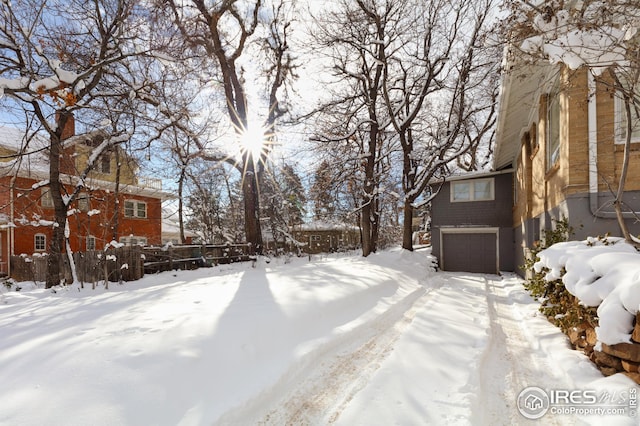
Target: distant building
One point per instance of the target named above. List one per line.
(130, 215)
(326, 237)
(171, 229)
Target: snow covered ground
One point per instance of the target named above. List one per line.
(336, 340)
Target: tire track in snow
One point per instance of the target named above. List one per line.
(321, 397)
(510, 362)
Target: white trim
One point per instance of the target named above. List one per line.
(35, 244)
(470, 230)
(620, 123)
(472, 191)
(136, 203)
(592, 111)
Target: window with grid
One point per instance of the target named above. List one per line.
(133, 208)
(40, 242)
(134, 240)
(91, 242)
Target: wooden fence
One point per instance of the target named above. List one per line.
(193, 256)
(128, 263)
(115, 264)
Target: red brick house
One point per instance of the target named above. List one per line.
(128, 211)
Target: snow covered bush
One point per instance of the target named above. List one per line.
(602, 273)
(560, 306)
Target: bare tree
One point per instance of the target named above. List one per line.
(352, 36)
(440, 88)
(232, 33)
(57, 62)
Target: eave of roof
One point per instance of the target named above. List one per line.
(520, 89)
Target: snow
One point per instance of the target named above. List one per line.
(563, 39)
(339, 339)
(603, 273)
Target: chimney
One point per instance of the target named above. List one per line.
(69, 125)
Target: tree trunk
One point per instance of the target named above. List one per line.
(183, 240)
(252, 208)
(617, 203)
(365, 223)
(60, 209)
(407, 231)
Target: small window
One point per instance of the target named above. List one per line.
(46, 200)
(105, 163)
(472, 190)
(40, 242)
(83, 202)
(553, 127)
(621, 121)
(315, 238)
(134, 208)
(91, 242)
(461, 191)
(134, 240)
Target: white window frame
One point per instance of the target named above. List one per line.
(46, 200)
(315, 238)
(83, 202)
(131, 240)
(472, 192)
(40, 247)
(553, 101)
(136, 209)
(621, 123)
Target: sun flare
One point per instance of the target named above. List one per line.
(253, 140)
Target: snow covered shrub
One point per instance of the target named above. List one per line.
(561, 307)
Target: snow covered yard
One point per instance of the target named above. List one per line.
(339, 339)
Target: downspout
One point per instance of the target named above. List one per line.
(11, 235)
(593, 156)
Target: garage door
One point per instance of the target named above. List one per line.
(469, 252)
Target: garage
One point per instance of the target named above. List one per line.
(470, 250)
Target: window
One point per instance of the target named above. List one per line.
(40, 242)
(46, 200)
(134, 208)
(105, 163)
(133, 240)
(91, 242)
(472, 190)
(621, 120)
(461, 191)
(553, 127)
(83, 202)
(315, 238)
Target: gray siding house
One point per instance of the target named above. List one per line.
(472, 223)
